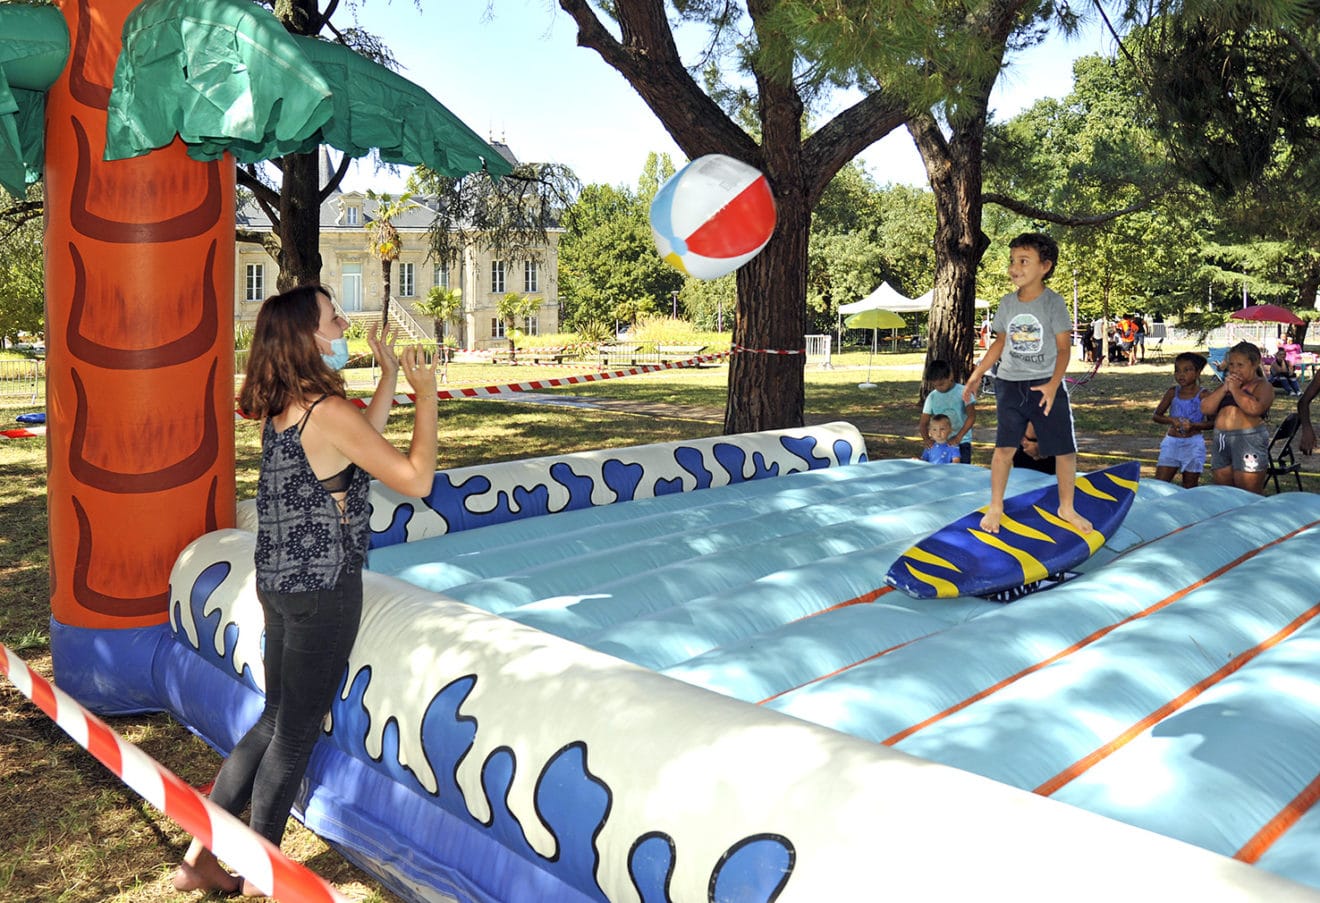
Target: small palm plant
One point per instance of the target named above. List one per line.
(384, 240)
(442, 305)
(512, 308)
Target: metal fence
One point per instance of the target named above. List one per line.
(22, 379)
(818, 350)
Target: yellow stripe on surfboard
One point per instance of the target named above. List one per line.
(1032, 569)
(943, 588)
(1021, 529)
(1094, 540)
(919, 554)
(1129, 485)
(1084, 484)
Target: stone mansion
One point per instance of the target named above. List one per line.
(353, 273)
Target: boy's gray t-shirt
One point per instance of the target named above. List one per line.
(1029, 329)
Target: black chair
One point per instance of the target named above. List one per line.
(1282, 461)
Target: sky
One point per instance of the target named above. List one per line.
(515, 73)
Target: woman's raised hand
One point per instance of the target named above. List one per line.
(419, 368)
(383, 348)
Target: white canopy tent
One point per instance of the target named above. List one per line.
(886, 297)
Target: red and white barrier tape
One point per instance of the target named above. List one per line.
(539, 384)
(35, 432)
(739, 349)
(255, 858)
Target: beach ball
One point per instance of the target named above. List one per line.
(712, 216)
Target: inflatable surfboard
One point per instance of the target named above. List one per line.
(1032, 544)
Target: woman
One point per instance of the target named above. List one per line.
(1283, 375)
(1240, 454)
(317, 451)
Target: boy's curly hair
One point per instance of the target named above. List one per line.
(1045, 247)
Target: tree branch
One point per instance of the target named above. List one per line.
(647, 57)
(336, 178)
(266, 197)
(19, 214)
(1060, 219)
(829, 148)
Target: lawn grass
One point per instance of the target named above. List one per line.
(101, 842)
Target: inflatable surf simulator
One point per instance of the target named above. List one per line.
(668, 673)
(678, 672)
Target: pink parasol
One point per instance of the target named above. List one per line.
(1267, 313)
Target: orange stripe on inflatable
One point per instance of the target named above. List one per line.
(1088, 640)
(1082, 765)
(858, 600)
(1275, 828)
(860, 661)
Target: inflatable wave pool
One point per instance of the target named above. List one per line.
(675, 672)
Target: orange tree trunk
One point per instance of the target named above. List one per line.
(139, 316)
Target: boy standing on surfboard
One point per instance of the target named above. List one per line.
(1033, 334)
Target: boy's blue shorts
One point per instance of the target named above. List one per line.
(1016, 405)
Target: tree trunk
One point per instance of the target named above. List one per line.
(954, 170)
(385, 293)
(771, 320)
(300, 228)
(1306, 298)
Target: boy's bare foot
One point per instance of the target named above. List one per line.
(1081, 524)
(990, 520)
(207, 875)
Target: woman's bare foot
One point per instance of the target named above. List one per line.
(990, 520)
(1079, 523)
(205, 876)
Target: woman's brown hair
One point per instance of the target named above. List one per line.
(284, 365)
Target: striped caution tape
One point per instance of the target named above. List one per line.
(740, 349)
(537, 385)
(255, 858)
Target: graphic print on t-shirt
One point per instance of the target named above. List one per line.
(1026, 339)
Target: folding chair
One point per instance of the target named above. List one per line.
(1282, 461)
(1155, 351)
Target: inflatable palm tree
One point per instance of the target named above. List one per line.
(135, 113)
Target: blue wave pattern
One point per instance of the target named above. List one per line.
(570, 801)
(207, 582)
(625, 479)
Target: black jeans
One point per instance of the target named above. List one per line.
(307, 642)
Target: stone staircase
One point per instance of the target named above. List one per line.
(410, 328)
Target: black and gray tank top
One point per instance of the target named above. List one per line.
(305, 539)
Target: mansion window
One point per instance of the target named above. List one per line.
(531, 276)
(497, 275)
(353, 216)
(531, 327)
(496, 328)
(441, 276)
(256, 282)
(407, 280)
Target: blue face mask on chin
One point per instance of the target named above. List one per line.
(338, 356)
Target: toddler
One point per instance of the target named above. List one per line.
(940, 451)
